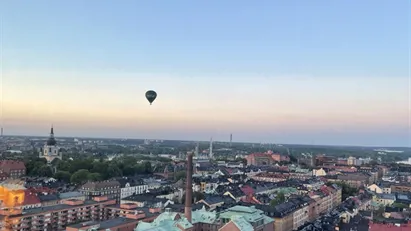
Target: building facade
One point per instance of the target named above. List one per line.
(59, 216)
(12, 169)
(129, 187)
(110, 188)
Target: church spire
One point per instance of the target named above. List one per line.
(51, 140)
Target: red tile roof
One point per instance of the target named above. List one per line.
(251, 199)
(389, 227)
(42, 190)
(30, 198)
(247, 190)
(8, 165)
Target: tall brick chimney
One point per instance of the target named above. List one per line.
(189, 187)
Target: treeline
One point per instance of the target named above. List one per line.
(79, 170)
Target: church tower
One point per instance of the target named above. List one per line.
(51, 150)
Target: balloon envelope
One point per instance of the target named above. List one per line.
(151, 96)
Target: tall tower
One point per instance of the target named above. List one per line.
(231, 139)
(1, 135)
(210, 154)
(196, 150)
(51, 150)
(189, 187)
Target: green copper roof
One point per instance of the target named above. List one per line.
(287, 190)
(203, 216)
(165, 222)
(161, 226)
(250, 214)
(242, 216)
(242, 224)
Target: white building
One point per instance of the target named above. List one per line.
(129, 187)
(51, 150)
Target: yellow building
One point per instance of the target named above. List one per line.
(384, 199)
(11, 196)
(11, 193)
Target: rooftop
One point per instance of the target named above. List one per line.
(250, 214)
(103, 225)
(55, 208)
(13, 185)
(242, 224)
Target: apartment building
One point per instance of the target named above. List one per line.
(57, 217)
(327, 198)
(110, 188)
(145, 200)
(252, 218)
(400, 188)
(283, 214)
(269, 158)
(301, 215)
(129, 187)
(132, 211)
(384, 199)
(12, 168)
(356, 179)
(271, 177)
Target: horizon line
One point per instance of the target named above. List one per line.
(207, 141)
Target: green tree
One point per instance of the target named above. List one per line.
(347, 190)
(63, 165)
(94, 177)
(400, 205)
(147, 167)
(129, 170)
(139, 169)
(33, 164)
(80, 176)
(63, 176)
(99, 167)
(113, 171)
(45, 171)
(77, 164)
(280, 198)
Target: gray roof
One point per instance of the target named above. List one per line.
(49, 197)
(386, 196)
(55, 208)
(68, 195)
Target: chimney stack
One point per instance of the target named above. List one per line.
(189, 187)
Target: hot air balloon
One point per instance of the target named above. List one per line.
(151, 96)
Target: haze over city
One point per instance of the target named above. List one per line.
(276, 71)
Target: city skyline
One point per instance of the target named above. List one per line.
(268, 72)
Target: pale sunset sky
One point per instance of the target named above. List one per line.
(310, 72)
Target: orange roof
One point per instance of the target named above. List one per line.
(30, 198)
